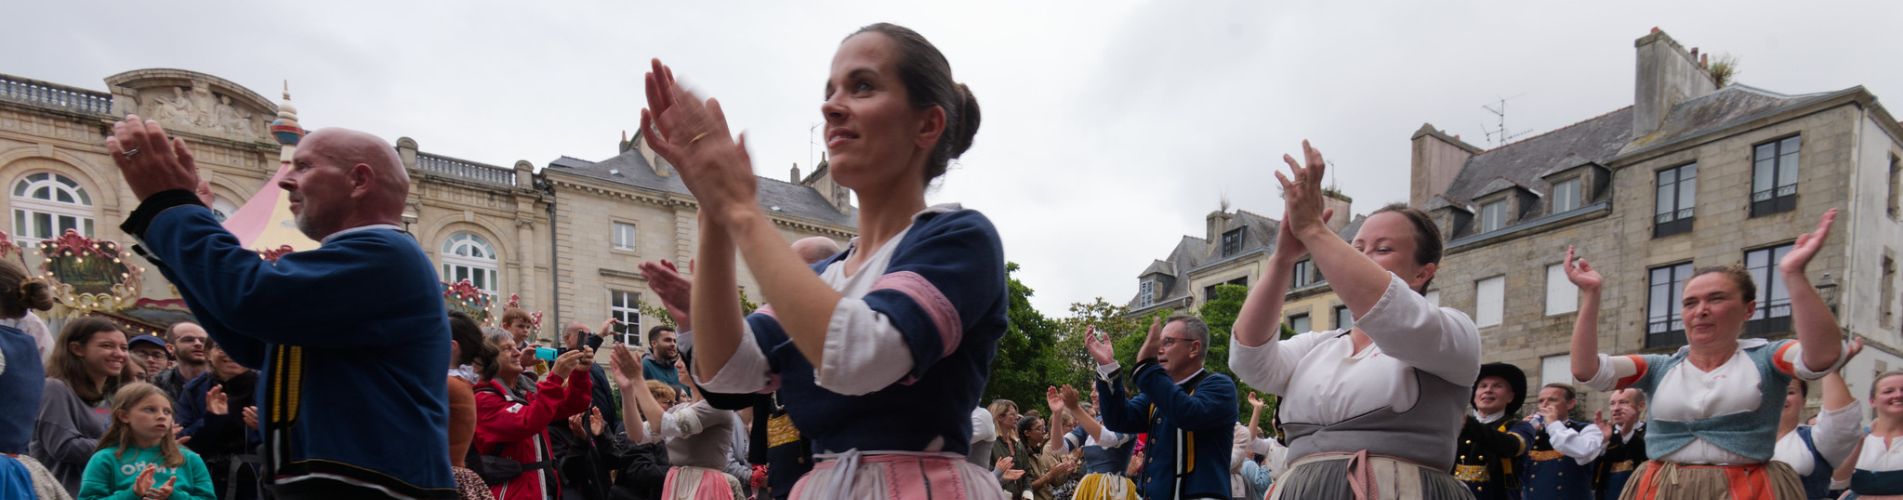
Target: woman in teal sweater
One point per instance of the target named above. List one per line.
(139, 459)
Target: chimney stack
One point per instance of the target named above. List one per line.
(795, 178)
(1437, 158)
(1343, 206)
(1667, 75)
(1214, 224)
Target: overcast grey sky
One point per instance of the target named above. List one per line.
(1111, 127)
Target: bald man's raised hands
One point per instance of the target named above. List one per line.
(151, 161)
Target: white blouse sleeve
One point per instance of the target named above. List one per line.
(746, 372)
(1270, 366)
(864, 352)
(689, 421)
(1837, 432)
(981, 428)
(1790, 359)
(1437, 340)
(1583, 445)
(1612, 369)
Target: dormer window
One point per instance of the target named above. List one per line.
(1232, 242)
(1567, 195)
(1493, 216)
(1146, 293)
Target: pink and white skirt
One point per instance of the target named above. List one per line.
(700, 483)
(887, 475)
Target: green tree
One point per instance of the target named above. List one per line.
(1027, 359)
(1219, 312)
(1079, 370)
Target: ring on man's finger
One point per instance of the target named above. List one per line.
(696, 138)
(130, 153)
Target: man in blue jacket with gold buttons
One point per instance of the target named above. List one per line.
(350, 339)
(1189, 412)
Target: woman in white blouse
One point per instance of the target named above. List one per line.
(1714, 419)
(1816, 450)
(1878, 463)
(698, 436)
(1372, 411)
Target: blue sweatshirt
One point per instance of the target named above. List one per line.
(350, 340)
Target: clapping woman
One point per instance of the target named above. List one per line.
(1715, 403)
(881, 352)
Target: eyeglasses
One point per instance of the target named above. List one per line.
(1169, 341)
(149, 354)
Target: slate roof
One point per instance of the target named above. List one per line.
(781, 197)
(1596, 140)
(1729, 106)
(1193, 254)
(1604, 138)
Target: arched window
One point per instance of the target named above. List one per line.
(222, 208)
(46, 204)
(467, 256)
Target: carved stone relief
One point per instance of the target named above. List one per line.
(200, 110)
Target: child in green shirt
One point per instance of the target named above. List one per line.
(138, 459)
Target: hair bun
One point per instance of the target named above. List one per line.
(37, 294)
(968, 119)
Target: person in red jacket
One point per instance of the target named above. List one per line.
(516, 427)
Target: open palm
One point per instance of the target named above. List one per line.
(1581, 273)
(1808, 244)
(1099, 346)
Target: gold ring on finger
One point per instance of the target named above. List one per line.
(696, 138)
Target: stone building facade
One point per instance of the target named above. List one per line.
(1235, 249)
(1690, 175)
(551, 236)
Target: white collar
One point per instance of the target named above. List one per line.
(1488, 418)
(1199, 371)
(1626, 434)
(359, 229)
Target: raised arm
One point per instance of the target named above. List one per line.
(1120, 413)
(1092, 428)
(1585, 353)
(640, 413)
(715, 309)
(1817, 329)
(1255, 415)
(1388, 311)
(1840, 424)
(693, 135)
(674, 291)
(1260, 319)
(1053, 432)
(1357, 279)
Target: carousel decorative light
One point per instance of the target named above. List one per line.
(465, 297)
(535, 318)
(88, 275)
(7, 248)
